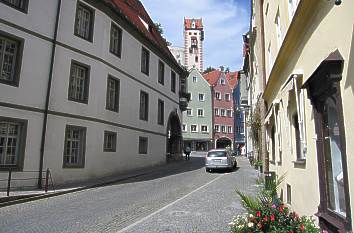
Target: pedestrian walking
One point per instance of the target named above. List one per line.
(187, 151)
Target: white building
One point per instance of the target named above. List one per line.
(193, 43)
(87, 89)
(178, 53)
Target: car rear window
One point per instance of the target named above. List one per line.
(217, 154)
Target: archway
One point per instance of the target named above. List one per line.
(223, 142)
(174, 137)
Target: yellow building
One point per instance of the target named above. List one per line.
(309, 95)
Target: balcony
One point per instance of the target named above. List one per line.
(184, 98)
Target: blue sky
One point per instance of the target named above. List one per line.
(224, 23)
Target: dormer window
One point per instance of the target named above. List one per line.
(222, 81)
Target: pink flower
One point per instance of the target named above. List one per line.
(274, 206)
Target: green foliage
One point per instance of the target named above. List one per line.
(208, 69)
(266, 213)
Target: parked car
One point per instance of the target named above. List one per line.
(220, 159)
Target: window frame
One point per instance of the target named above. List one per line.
(87, 82)
(22, 144)
(114, 144)
(24, 9)
(160, 112)
(143, 145)
(120, 41)
(117, 85)
(196, 128)
(92, 21)
(203, 97)
(229, 97)
(161, 73)
(18, 59)
(83, 133)
(202, 110)
(204, 131)
(217, 95)
(144, 110)
(173, 81)
(145, 61)
(217, 128)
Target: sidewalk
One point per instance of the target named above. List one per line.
(17, 197)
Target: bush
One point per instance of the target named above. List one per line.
(267, 213)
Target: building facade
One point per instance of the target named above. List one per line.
(309, 95)
(222, 106)
(100, 96)
(193, 43)
(197, 120)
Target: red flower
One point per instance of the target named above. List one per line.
(265, 218)
(302, 227)
(258, 214)
(272, 218)
(281, 208)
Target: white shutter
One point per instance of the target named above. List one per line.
(301, 114)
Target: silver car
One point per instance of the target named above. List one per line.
(220, 159)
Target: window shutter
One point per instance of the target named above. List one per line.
(301, 114)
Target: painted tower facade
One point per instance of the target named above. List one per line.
(193, 43)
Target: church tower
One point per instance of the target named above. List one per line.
(193, 43)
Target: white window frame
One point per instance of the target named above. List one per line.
(201, 95)
(184, 128)
(204, 131)
(217, 111)
(222, 81)
(217, 128)
(194, 79)
(222, 112)
(196, 128)
(223, 128)
(191, 112)
(230, 111)
(202, 109)
(229, 129)
(227, 98)
(217, 94)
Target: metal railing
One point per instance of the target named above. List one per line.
(8, 184)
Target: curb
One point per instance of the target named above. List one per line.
(21, 199)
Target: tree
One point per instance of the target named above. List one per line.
(208, 69)
(159, 29)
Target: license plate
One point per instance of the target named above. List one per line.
(217, 160)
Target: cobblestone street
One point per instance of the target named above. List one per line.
(180, 197)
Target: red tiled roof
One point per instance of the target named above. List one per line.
(212, 77)
(131, 10)
(198, 23)
(232, 78)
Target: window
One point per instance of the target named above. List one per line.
(229, 113)
(10, 60)
(115, 46)
(229, 129)
(145, 61)
(223, 129)
(242, 130)
(173, 81)
(222, 112)
(267, 8)
(161, 75)
(270, 59)
(110, 141)
(204, 128)
(297, 137)
(84, 22)
(201, 97)
(227, 97)
(189, 112)
(160, 112)
(288, 194)
(217, 128)
(144, 106)
(184, 127)
(12, 142)
(218, 95)
(222, 81)
(79, 82)
(143, 145)
(273, 142)
(194, 79)
(112, 98)
(217, 112)
(278, 29)
(196, 58)
(200, 112)
(21, 5)
(194, 128)
(74, 146)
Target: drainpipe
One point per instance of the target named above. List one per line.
(45, 120)
(212, 118)
(263, 107)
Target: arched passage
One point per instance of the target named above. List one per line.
(223, 142)
(174, 137)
